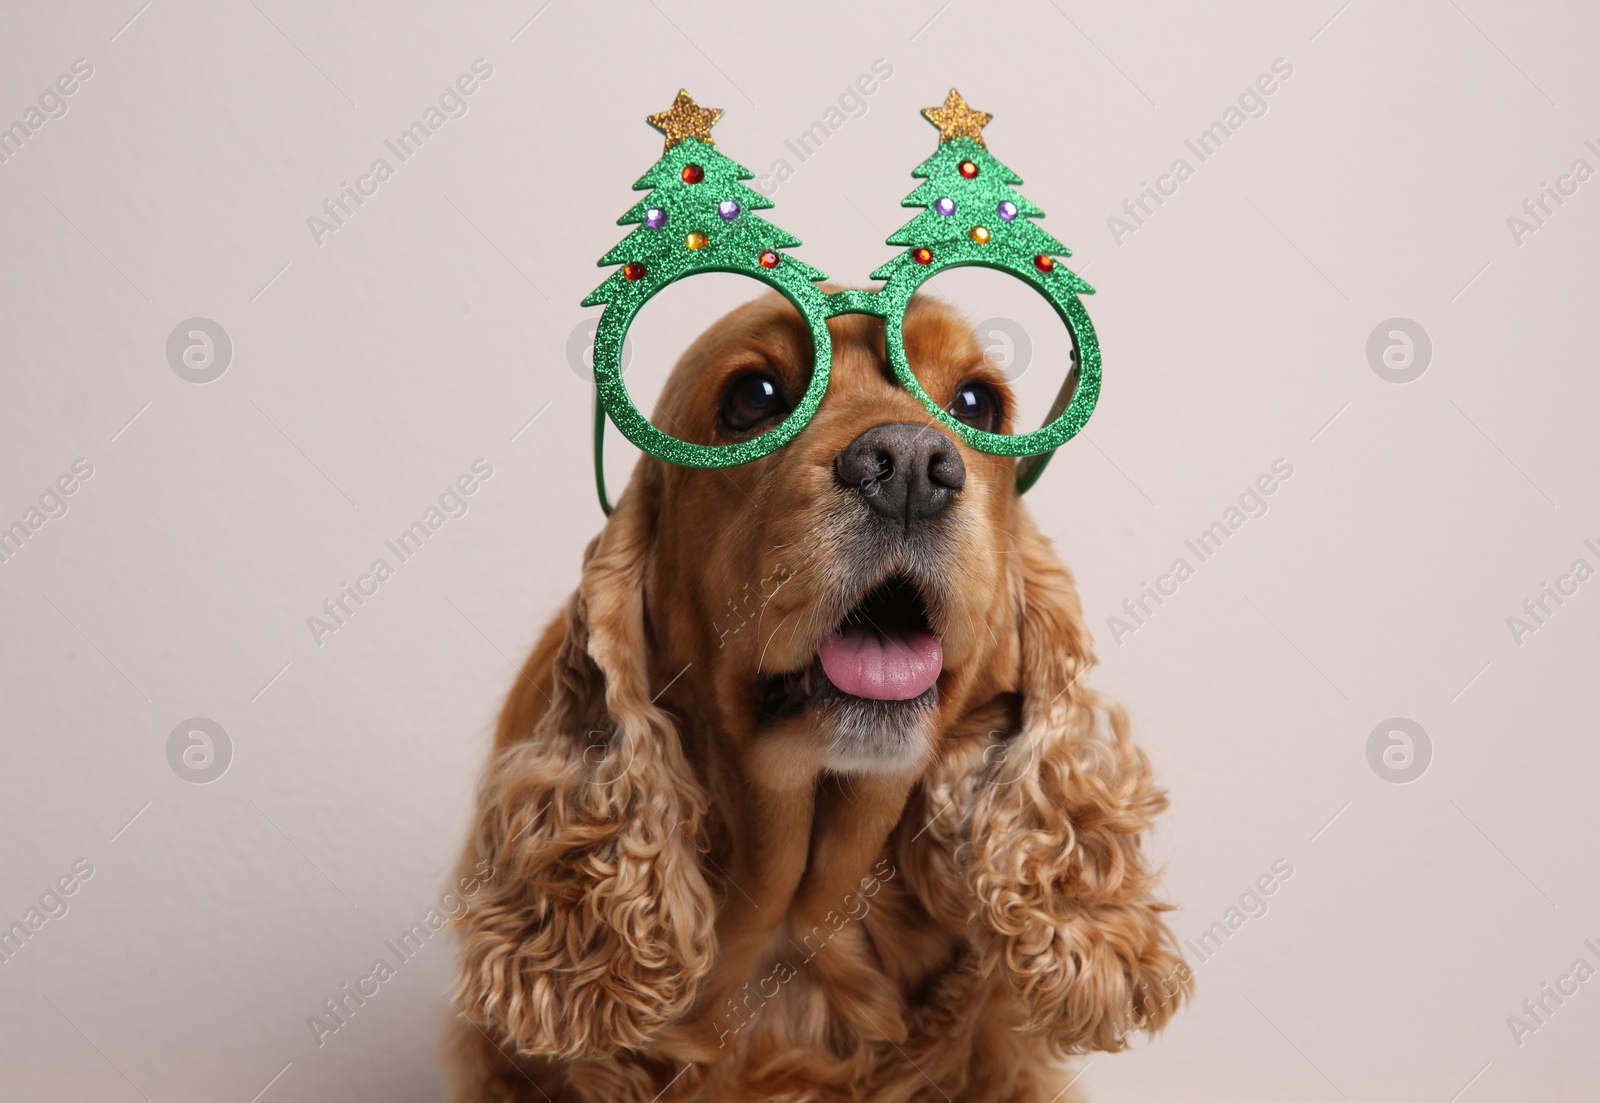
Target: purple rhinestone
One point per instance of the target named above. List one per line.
(944, 205)
(728, 209)
(655, 218)
(1007, 209)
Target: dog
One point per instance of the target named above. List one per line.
(803, 796)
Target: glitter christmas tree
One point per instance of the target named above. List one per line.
(697, 215)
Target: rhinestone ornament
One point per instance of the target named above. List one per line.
(944, 205)
(769, 259)
(923, 255)
(1006, 210)
(968, 170)
(696, 240)
(1043, 263)
(728, 209)
(980, 234)
(633, 271)
(693, 174)
(655, 218)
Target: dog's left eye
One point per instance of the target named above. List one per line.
(977, 405)
(751, 399)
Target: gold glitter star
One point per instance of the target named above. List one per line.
(956, 120)
(685, 119)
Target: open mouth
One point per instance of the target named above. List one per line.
(884, 649)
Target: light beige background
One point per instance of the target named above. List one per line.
(371, 370)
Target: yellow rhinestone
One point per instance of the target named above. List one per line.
(980, 234)
(696, 240)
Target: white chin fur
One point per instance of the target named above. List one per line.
(877, 737)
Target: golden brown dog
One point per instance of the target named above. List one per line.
(803, 797)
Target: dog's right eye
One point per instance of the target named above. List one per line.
(750, 400)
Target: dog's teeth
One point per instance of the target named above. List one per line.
(805, 682)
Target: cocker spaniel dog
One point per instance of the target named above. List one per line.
(803, 796)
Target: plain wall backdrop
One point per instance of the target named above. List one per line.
(1245, 320)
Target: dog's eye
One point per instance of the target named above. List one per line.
(977, 405)
(750, 400)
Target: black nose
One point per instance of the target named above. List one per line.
(906, 472)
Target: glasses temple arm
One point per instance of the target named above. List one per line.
(1029, 468)
(599, 453)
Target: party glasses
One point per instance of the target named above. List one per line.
(697, 218)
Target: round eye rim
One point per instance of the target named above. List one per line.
(992, 413)
(741, 424)
(1080, 390)
(611, 392)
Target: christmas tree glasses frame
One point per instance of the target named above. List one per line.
(655, 257)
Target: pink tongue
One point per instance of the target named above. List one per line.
(898, 667)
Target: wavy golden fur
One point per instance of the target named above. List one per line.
(693, 900)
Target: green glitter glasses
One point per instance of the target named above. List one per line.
(697, 219)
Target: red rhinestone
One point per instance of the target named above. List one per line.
(969, 170)
(769, 259)
(1043, 263)
(633, 270)
(923, 255)
(693, 174)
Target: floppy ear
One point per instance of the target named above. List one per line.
(595, 927)
(1045, 847)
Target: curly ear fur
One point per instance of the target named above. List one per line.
(596, 928)
(1045, 842)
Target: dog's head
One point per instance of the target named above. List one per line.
(872, 599)
(843, 599)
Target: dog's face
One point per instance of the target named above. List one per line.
(844, 600)
(870, 600)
